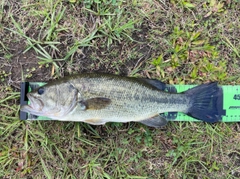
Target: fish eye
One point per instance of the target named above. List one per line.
(40, 91)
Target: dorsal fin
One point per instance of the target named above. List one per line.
(160, 85)
(156, 83)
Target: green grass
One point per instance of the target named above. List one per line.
(178, 42)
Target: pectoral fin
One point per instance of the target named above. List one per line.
(156, 121)
(94, 103)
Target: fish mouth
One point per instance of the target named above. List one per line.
(35, 106)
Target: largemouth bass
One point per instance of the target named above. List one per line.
(101, 98)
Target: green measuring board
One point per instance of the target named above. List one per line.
(228, 102)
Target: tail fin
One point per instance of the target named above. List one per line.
(204, 99)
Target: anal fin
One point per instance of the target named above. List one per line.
(156, 121)
(94, 121)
